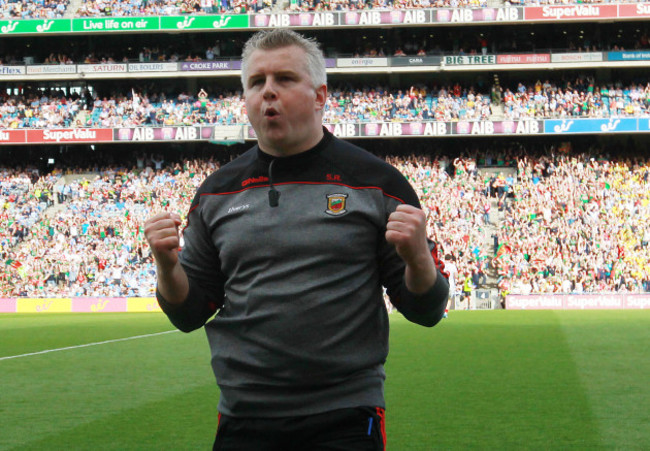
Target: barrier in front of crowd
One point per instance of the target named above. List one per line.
(577, 301)
(78, 305)
(330, 19)
(422, 129)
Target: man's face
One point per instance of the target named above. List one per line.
(282, 104)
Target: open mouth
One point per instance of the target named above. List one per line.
(271, 113)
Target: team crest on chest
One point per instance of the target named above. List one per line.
(336, 204)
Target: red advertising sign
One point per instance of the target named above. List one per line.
(526, 58)
(572, 12)
(634, 10)
(12, 136)
(69, 135)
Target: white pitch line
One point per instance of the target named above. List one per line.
(86, 345)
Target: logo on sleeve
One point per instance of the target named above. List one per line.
(336, 204)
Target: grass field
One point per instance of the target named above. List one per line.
(490, 380)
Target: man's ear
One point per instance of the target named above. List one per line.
(321, 97)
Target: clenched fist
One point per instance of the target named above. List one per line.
(161, 231)
(406, 230)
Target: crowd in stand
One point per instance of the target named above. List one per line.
(92, 242)
(26, 9)
(593, 214)
(582, 98)
(49, 9)
(562, 222)
(95, 8)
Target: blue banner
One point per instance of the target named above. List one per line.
(611, 125)
(644, 124)
(636, 55)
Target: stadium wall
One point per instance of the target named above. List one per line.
(577, 301)
(78, 305)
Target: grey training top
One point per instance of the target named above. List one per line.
(301, 325)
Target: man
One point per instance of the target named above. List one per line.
(290, 245)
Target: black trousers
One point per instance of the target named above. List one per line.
(354, 429)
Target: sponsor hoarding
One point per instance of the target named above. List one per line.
(7, 305)
(204, 22)
(635, 55)
(113, 68)
(104, 24)
(97, 305)
(587, 57)
(354, 129)
(69, 135)
(571, 12)
(611, 125)
(362, 62)
(142, 305)
(210, 65)
(38, 305)
(361, 18)
(79, 305)
(641, 9)
(153, 67)
(162, 133)
(483, 128)
(577, 301)
(644, 125)
(416, 61)
(469, 60)
(35, 26)
(320, 19)
(396, 129)
(467, 15)
(524, 58)
(13, 136)
(52, 69)
(12, 70)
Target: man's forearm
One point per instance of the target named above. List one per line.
(173, 284)
(420, 276)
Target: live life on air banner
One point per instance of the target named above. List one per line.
(79, 305)
(505, 14)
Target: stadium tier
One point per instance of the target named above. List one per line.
(524, 127)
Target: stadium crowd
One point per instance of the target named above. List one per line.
(98, 8)
(580, 98)
(91, 242)
(555, 221)
(50, 9)
(29, 9)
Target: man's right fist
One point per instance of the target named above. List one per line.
(161, 231)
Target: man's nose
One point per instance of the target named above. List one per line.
(269, 91)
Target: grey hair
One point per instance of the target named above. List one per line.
(280, 38)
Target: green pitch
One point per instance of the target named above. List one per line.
(480, 380)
